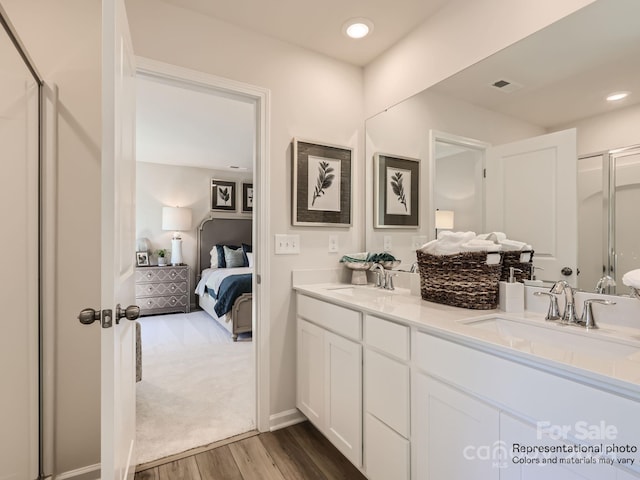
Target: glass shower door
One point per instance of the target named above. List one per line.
(625, 181)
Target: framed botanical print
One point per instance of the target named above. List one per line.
(223, 195)
(396, 191)
(321, 184)
(247, 197)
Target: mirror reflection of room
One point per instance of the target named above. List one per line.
(502, 100)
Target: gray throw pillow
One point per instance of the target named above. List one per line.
(233, 258)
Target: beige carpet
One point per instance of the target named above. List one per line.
(197, 385)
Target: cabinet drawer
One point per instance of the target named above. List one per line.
(171, 301)
(332, 317)
(160, 289)
(161, 274)
(386, 452)
(387, 391)
(391, 338)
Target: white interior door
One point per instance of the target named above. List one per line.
(531, 195)
(118, 241)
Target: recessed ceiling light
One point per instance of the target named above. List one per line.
(617, 96)
(357, 28)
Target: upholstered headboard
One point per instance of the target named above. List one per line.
(221, 231)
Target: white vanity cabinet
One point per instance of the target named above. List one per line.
(470, 408)
(329, 376)
(386, 400)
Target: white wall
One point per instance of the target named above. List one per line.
(63, 38)
(159, 185)
(312, 97)
(460, 34)
(615, 129)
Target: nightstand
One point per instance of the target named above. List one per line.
(163, 289)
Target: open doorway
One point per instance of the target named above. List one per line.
(194, 142)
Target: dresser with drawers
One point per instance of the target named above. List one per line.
(163, 289)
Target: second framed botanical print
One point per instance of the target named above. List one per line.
(321, 184)
(223, 195)
(247, 197)
(396, 193)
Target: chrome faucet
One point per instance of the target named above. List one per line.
(414, 267)
(604, 283)
(569, 315)
(587, 319)
(380, 275)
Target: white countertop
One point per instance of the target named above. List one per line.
(608, 358)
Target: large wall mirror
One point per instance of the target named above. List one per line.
(578, 200)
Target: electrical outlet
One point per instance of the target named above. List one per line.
(333, 243)
(386, 246)
(287, 244)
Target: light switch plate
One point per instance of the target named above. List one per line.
(333, 243)
(287, 244)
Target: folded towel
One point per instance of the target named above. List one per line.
(478, 245)
(632, 279)
(355, 257)
(381, 257)
(514, 245)
(449, 243)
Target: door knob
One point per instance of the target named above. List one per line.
(566, 271)
(132, 312)
(88, 315)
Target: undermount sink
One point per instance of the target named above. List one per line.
(559, 341)
(368, 291)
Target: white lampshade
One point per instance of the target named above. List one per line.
(444, 219)
(176, 219)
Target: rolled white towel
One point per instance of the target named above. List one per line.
(632, 278)
(478, 245)
(497, 236)
(514, 245)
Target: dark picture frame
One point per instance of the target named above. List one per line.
(247, 197)
(396, 191)
(223, 195)
(142, 259)
(322, 178)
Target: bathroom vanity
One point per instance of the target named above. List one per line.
(408, 389)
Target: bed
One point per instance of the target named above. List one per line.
(225, 293)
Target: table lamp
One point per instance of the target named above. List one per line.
(176, 219)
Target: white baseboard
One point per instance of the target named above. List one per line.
(91, 472)
(285, 419)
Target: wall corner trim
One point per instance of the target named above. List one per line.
(285, 419)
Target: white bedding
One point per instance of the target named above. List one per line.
(212, 277)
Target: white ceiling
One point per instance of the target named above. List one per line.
(317, 25)
(177, 125)
(566, 70)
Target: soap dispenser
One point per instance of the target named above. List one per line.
(511, 294)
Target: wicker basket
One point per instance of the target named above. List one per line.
(512, 259)
(461, 280)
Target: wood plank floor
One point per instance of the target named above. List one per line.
(299, 452)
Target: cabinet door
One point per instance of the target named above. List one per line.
(544, 465)
(387, 453)
(450, 433)
(343, 395)
(310, 396)
(387, 391)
